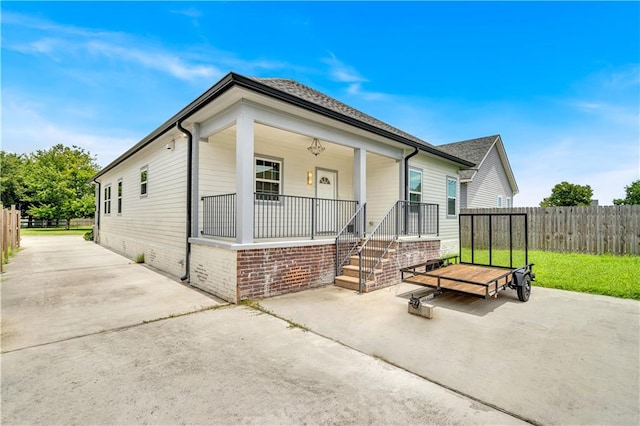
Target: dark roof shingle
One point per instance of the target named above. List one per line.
(473, 150)
(299, 90)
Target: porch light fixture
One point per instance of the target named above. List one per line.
(309, 178)
(316, 147)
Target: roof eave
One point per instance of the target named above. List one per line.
(506, 165)
(233, 79)
(256, 86)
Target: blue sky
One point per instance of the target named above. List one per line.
(559, 81)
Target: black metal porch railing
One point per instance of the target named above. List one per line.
(418, 218)
(219, 215)
(349, 237)
(404, 218)
(284, 216)
(278, 216)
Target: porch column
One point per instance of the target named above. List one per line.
(244, 178)
(401, 189)
(360, 175)
(360, 181)
(195, 181)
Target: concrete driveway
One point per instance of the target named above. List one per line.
(90, 338)
(62, 287)
(561, 358)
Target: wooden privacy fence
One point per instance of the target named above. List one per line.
(9, 232)
(592, 229)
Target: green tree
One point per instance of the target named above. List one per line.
(57, 183)
(12, 178)
(633, 195)
(568, 194)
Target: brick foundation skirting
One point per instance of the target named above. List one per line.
(270, 272)
(407, 253)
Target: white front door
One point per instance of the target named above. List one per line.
(327, 208)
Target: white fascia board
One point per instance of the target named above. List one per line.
(219, 122)
(507, 166)
(300, 125)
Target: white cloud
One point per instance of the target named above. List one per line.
(355, 89)
(157, 60)
(59, 42)
(623, 78)
(341, 72)
(27, 129)
(190, 12)
(68, 43)
(599, 160)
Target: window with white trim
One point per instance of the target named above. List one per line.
(415, 185)
(119, 196)
(268, 173)
(452, 195)
(144, 181)
(415, 188)
(499, 202)
(107, 199)
(508, 202)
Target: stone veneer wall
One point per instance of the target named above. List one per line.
(407, 253)
(273, 271)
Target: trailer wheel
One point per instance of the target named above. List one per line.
(524, 290)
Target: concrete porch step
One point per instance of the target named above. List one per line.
(355, 261)
(351, 283)
(377, 252)
(354, 271)
(380, 243)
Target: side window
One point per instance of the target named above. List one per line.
(107, 199)
(144, 181)
(499, 202)
(508, 202)
(452, 195)
(415, 189)
(120, 196)
(415, 185)
(268, 183)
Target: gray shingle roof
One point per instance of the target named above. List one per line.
(473, 150)
(291, 89)
(299, 90)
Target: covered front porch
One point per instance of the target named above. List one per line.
(290, 217)
(281, 189)
(257, 179)
(275, 216)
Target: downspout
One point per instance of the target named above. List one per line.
(406, 186)
(185, 277)
(406, 173)
(97, 211)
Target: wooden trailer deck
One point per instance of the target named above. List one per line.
(482, 281)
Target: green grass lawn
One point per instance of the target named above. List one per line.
(54, 231)
(617, 276)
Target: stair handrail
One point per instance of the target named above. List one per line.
(385, 249)
(341, 262)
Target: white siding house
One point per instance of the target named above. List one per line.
(151, 223)
(229, 195)
(491, 183)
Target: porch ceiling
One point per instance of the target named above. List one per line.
(274, 136)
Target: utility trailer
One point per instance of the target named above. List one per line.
(490, 245)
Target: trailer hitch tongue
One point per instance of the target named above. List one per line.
(414, 302)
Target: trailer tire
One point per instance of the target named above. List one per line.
(524, 289)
